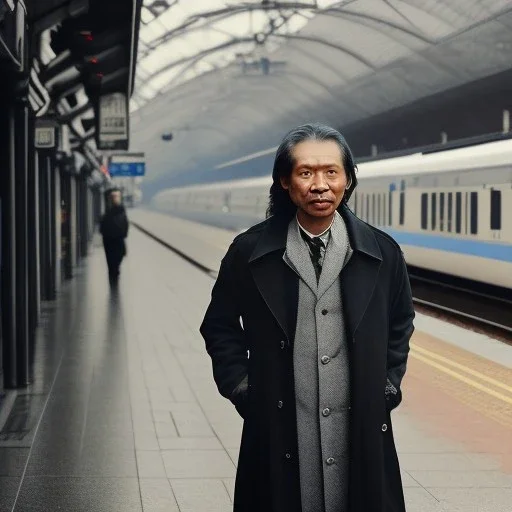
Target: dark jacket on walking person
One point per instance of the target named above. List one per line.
(114, 229)
(312, 353)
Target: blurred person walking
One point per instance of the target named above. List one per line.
(114, 229)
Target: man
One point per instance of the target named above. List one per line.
(308, 330)
(114, 228)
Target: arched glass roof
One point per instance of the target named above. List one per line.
(181, 39)
(202, 75)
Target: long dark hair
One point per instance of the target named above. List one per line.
(280, 203)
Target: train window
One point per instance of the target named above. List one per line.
(474, 213)
(378, 209)
(458, 212)
(367, 208)
(402, 203)
(402, 209)
(450, 202)
(373, 208)
(441, 211)
(495, 209)
(390, 209)
(466, 202)
(424, 207)
(433, 211)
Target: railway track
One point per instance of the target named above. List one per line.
(473, 304)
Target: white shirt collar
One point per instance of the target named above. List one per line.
(322, 235)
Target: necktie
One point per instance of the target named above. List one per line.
(316, 245)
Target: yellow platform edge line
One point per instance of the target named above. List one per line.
(464, 379)
(462, 367)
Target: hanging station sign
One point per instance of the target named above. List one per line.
(45, 136)
(112, 132)
(127, 165)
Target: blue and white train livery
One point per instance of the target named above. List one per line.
(450, 211)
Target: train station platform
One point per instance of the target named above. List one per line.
(124, 414)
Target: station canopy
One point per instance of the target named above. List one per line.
(217, 79)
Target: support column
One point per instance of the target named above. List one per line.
(22, 296)
(8, 303)
(33, 237)
(66, 232)
(44, 224)
(56, 224)
(85, 217)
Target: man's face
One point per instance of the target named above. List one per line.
(116, 198)
(318, 179)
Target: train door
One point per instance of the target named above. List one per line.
(473, 213)
(495, 211)
(449, 224)
(433, 211)
(458, 212)
(442, 211)
(470, 213)
(401, 214)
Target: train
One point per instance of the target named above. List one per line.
(450, 211)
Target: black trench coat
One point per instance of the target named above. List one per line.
(256, 285)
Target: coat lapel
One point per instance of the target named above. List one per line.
(336, 256)
(276, 282)
(359, 276)
(297, 256)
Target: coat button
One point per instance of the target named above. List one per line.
(330, 461)
(325, 359)
(288, 456)
(282, 344)
(326, 412)
(280, 404)
(384, 427)
(324, 312)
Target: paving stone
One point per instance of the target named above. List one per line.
(190, 443)
(468, 478)
(474, 500)
(198, 464)
(150, 464)
(230, 486)
(157, 495)
(164, 430)
(201, 495)
(418, 499)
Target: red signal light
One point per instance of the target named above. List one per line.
(87, 35)
(93, 60)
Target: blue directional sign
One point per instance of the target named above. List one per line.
(116, 169)
(127, 164)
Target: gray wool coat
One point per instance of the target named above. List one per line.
(321, 372)
(257, 286)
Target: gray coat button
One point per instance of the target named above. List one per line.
(330, 461)
(280, 404)
(325, 359)
(288, 455)
(326, 412)
(324, 312)
(384, 427)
